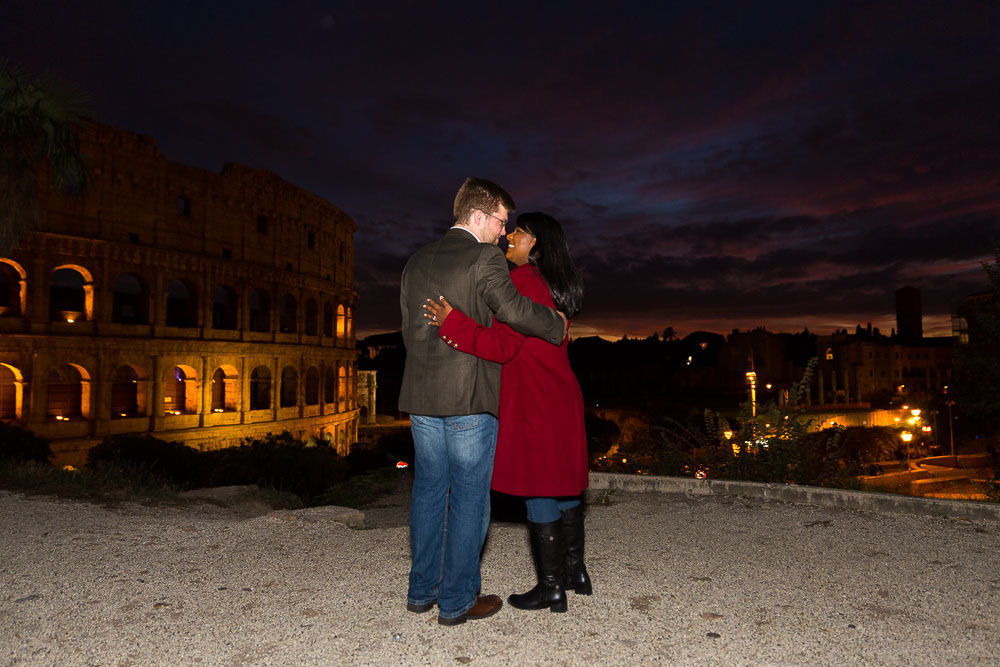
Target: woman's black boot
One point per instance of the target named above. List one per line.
(548, 550)
(575, 577)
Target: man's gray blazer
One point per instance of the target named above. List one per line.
(439, 379)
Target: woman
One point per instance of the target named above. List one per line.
(541, 449)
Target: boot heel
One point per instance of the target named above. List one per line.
(559, 607)
(585, 588)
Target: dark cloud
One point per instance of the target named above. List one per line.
(274, 137)
(715, 164)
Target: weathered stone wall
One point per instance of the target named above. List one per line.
(174, 279)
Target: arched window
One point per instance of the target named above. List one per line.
(342, 388)
(129, 303)
(225, 308)
(180, 391)
(67, 395)
(288, 314)
(341, 323)
(11, 389)
(225, 389)
(327, 320)
(312, 316)
(67, 296)
(312, 386)
(289, 387)
(260, 310)
(182, 304)
(829, 354)
(10, 290)
(330, 386)
(260, 388)
(350, 324)
(125, 393)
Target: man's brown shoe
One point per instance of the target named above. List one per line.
(486, 605)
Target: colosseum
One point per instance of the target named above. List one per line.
(198, 307)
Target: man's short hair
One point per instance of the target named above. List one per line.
(483, 195)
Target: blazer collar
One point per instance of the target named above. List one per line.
(459, 232)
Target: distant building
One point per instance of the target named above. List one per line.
(857, 369)
(195, 306)
(966, 318)
(869, 368)
(385, 356)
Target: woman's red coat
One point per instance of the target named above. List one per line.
(541, 444)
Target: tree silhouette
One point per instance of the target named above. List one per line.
(977, 364)
(38, 118)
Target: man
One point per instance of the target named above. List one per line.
(453, 400)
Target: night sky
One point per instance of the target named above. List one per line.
(715, 164)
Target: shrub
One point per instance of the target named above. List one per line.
(280, 462)
(357, 491)
(173, 461)
(101, 481)
(601, 434)
(769, 444)
(20, 444)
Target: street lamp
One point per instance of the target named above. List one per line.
(752, 379)
(907, 436)
(951, 434)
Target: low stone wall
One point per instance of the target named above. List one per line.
(74, 452)
(790, 493)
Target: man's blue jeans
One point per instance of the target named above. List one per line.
(450, 508)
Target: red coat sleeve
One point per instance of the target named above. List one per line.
(499, 342)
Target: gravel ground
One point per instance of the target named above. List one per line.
(678, 580)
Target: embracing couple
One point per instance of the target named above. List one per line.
(491, 396)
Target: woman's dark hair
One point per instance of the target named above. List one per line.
(550, 255)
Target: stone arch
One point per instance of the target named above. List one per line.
(180, 390)
(312, 317)
(225, 389)
(288, 314)
(352, 385)
(67, 393)
(71, 294)
(128, 392)
(328, 319)
(341, 323)
(312, 386)
(130, 300)
(11, 392)
(13, 288)
(182, 304)
(260, 310)
(260, 388)
(289, 387)
(225, 308)
(330, 386)
(341, 388)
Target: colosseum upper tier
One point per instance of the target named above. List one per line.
(198, 307)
